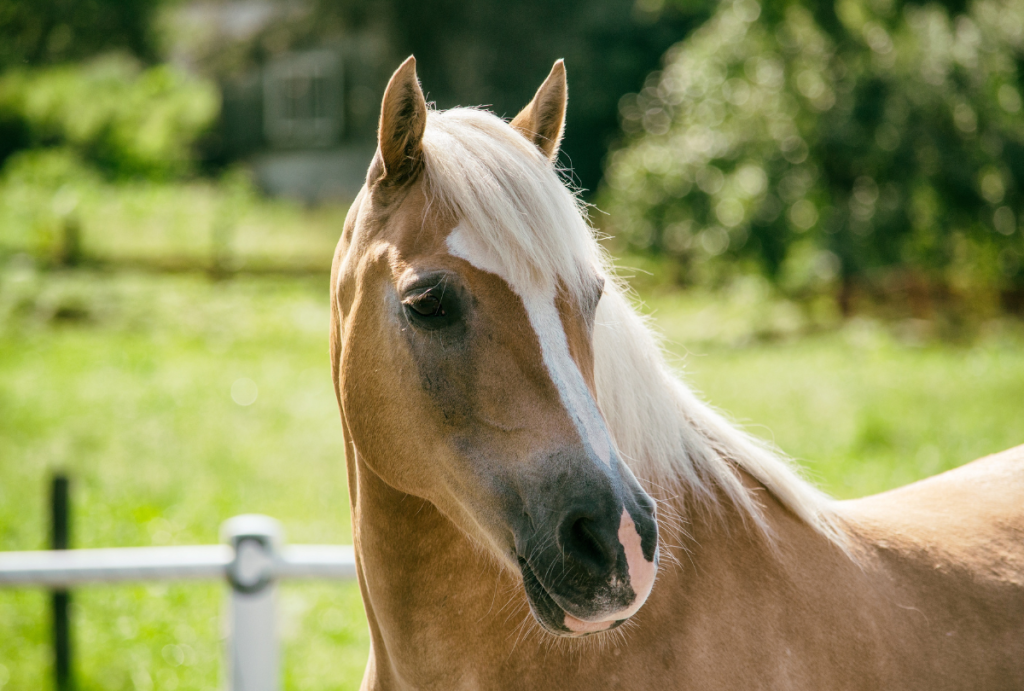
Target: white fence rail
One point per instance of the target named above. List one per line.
(252, 560)
(67, 568)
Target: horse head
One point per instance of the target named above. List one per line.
(466, 288)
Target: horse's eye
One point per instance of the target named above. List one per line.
(426, 305)
(433, 302)
(437, 307)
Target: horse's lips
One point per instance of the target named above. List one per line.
(551, 616)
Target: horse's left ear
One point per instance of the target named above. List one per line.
(403, 117)
(543, 120)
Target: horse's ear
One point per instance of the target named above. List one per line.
(543, 120)
(403, 117)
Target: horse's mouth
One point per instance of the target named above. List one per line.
(550, 615)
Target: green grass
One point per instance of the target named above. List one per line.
(125, 381)
(865, 406)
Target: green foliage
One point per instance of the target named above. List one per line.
(886, 142)
(126, 120)
(125, 382)
(34, 32)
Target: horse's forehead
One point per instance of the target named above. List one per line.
(419, 235)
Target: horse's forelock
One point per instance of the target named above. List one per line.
(500, 186)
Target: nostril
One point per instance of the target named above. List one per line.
(585, 545)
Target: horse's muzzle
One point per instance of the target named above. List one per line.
(596, 572)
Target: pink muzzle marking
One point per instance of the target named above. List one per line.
(641, 578)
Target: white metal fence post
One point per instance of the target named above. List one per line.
(253, 657)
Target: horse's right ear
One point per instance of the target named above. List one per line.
(542, 121)
(403, 117)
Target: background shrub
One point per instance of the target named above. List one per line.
(862, 144)
(125, 119)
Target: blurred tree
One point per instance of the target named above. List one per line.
(40, 32)
(123, 118)
(864, 143)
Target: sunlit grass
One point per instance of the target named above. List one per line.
(125, 382)
(44, 192)
(865, 407)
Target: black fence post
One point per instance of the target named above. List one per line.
(221, 264)
(60, 538)
(71, 248)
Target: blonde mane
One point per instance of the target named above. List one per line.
(513, 199)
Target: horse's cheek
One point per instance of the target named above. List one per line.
(442, 366)
(390, 426)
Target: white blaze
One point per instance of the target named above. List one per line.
(542, 312)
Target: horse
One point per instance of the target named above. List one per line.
(538, 501)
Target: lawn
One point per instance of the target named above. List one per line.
(125, 381)
(863, 405)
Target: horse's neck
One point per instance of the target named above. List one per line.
(431, 597)
(442, 614)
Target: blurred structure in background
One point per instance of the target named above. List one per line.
(285, 65)
(302, 81)
(299, 95)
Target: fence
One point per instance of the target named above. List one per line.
(252, 560)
